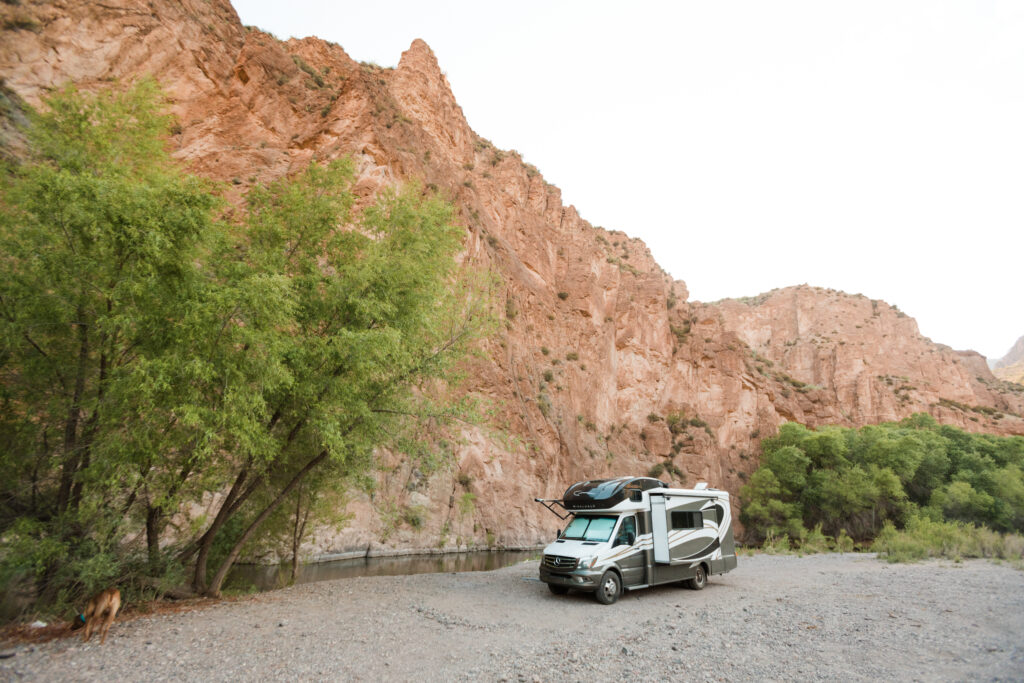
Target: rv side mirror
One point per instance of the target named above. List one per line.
(630, 538)
(558, 534)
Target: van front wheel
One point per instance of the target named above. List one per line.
(610, 588)
(699, 580)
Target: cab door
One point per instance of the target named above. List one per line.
(631, 560)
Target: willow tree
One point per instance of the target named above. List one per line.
(379, 308)
(151, 356)
(100, 240)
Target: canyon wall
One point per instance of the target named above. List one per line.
(602, 367)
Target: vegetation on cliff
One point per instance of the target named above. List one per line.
(155, 360)
(937, 483)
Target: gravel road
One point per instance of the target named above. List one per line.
(847, 617)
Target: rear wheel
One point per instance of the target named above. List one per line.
(558, 590)
(610, 588)
(699, 580)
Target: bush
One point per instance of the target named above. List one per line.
(844, 544)
(923, 538)
(415, 516)
(676, 422)
(776, 545)
(814, 541)
(563, 295)
(853, 481)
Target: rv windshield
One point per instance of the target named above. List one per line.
(585, 528)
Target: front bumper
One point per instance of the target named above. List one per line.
(578, 579)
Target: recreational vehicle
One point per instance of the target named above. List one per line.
(633, 532)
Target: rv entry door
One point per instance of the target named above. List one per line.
(659, 529)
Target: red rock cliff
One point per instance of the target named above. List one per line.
(603, 367)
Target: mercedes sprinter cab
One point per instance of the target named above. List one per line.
(633, 532)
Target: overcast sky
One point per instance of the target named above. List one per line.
(872, 147)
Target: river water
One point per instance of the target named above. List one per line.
(269, 577)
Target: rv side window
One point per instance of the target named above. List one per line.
(687, 520)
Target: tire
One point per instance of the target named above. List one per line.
(558, 590)
(609, 589)
(699, 580)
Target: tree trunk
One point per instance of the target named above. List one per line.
(70, 466)
(153, 516)
(222, 572)
(206, 541)
(90, 429)
(298, 531)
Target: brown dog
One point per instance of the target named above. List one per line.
(102, 607)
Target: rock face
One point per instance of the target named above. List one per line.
(603, 367)
(860, 360)
(1011, 366)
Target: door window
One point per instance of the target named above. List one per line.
(627, 532)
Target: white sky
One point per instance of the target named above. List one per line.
(872, 147)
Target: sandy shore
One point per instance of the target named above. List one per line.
(849, 617)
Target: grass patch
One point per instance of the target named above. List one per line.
(923, 538)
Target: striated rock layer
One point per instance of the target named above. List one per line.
(603, 367)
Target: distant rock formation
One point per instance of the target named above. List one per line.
(1011, 366)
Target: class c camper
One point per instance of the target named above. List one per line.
(633, 532)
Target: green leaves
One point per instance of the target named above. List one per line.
(151, 356)
(854, 480)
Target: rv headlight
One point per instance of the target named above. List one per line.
(588, 562)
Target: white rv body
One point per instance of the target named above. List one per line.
(634, 532)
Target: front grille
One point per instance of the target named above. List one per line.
(560, 562)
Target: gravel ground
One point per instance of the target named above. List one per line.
(847, 617)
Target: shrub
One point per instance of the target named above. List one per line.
(923, 537)
(776, 545)
(317, 79)
(572, 355)
(544, 404)
(563, 295)
(415, 516)
(676, 422)
(844, 544)
(815, 541)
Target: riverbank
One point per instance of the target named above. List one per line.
(775, 617)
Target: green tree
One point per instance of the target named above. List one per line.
(99, 238)
(856, 480)
(152, 356)
(381, 309)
